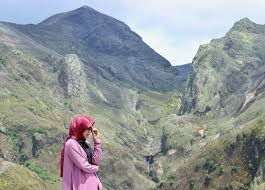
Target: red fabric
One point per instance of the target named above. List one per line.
(76, 129)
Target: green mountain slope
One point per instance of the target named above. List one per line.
(162, 126)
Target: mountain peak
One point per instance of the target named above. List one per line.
(81, 13)
(95, 36)
(246, 22)
(245, 25)
(85, 7)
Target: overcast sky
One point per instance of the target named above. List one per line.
(173, 28)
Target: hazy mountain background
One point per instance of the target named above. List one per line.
(194, 126)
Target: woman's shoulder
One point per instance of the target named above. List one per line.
(70, 142)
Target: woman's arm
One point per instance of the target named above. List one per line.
(97, 152)
(73, 151)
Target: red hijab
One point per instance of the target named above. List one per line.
(76, 129)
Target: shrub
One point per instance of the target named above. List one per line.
(221, 170)
(234, 169)
(210, 166)
(42, 172)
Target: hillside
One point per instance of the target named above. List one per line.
(195, 126)
(44, 84)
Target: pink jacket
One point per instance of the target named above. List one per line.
(78, 173)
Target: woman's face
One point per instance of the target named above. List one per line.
(86, 133)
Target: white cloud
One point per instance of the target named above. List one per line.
(177, 54)
(175, 28)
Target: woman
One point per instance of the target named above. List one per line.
(79, 163)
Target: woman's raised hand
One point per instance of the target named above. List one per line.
(95, 133)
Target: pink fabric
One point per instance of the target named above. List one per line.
(78, 174)
(77, 126)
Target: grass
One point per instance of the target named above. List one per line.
(20, 178)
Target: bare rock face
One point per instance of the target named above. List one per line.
(6, 151)
(2, 128)
(72, 77)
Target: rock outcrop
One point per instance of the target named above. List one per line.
(72, 76)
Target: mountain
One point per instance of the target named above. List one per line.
(84, 62)
(222, 116)
(107, 46)
(228, 73)
(194, 126)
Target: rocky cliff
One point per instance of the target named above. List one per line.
(228, 73)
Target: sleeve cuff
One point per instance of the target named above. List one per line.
(97, 141)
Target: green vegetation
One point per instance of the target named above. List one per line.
(20, 178)
(16, 143)
(145, 121)
(234, 169)
(42, 172)
(3, 61)
(210, 166)
(221, 170)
